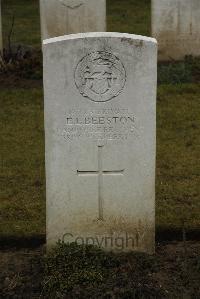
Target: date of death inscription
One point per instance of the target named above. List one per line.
(99, 124)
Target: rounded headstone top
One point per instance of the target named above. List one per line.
(123, 36)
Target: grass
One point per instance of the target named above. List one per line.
(186, 71)
(26, 30)
(130, 16)
(178, 145)
(22, 175)
(22, 195)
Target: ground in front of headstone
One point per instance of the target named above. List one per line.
(173, 272)
(21, 273)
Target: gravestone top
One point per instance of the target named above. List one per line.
(100, 131)
(60, 17)
(100, 35)
(176, 26)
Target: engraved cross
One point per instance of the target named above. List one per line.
(100, 173)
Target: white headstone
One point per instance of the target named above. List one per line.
(100, 123)
(61, 17)
(1, 39)
(176, 26)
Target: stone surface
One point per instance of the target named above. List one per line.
(176, 26)
(100, 124)
(60, 17)
(1, 39)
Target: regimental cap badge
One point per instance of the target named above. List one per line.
(100, 76)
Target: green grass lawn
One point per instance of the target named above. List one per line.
(22, 204)
(178, 147)
(26, 29)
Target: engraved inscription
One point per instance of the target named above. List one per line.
(100, 76)
(100, 172)
(99, 124)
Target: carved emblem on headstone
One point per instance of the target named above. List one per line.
(100, 76)
(71, 4)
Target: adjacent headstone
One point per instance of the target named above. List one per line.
(61, 17)
(176, 26)
(100, 123)
(1, 39)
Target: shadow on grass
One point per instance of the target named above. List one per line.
(163, 235)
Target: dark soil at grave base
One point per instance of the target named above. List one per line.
(13, 81)
(176, 274)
